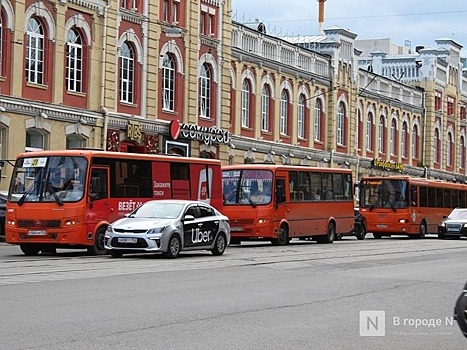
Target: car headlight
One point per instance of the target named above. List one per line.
(156, 230)
(465, 225)
(442, 224)
(109, 229)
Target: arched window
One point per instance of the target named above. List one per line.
(35, 141)
(75, 141)
(340, 124)
(301, 117)
(462, 153)
(449, 150)
(436, 147)
(168, 83)
(74, 61)
(246, 95)
(381, 135)
(318, 112)
(284, 113)
(369, 132)
(392, 140)
(404, 140)
(415, 142)
(205, 92)
(127, 71)
(35, 52)
(265, 108)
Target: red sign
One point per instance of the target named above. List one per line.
(174, 129)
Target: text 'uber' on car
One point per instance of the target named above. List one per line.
(454, 225)
(168, 227)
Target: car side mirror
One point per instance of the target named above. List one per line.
(445, 216)
(188, 218)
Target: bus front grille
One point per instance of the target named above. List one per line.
(38, 223)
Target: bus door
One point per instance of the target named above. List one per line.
(280, 201)
(101, 209)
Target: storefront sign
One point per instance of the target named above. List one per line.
(134, 131)
(387, 165)
(208, 135)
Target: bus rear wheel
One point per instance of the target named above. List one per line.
(377, 235)
(330, 236)
(98, 247)
(30, 249)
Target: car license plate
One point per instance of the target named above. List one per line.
(236, 229)
(453, 229)
(37, 233)
(127, 240)
(382, 226)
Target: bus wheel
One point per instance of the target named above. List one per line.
(30, 249)
(422, 230)
(116, 254)
(377, 235)
(98, 247)
(219, 245)
(173, 248)
(330, 236)
(362, 232)
(283, 237)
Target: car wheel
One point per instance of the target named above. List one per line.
(116, 254)
(441, 235)
(362, 232)
(173, 248)
(283, 237)
(377, 235)
(330, 236)
(30, 249)
(219, 245)
(98, 247)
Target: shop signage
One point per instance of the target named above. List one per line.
(208, 135)
(387, 165)
(134, 131)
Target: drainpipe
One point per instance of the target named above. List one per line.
(219, 64)
(103, 67)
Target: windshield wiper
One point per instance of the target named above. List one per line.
(23, 197)
(54, 193)
(248, 198)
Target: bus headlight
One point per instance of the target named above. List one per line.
(71, 222)
(403, 221)
(11, 222)
(262, 221)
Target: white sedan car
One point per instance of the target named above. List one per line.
(168, 227)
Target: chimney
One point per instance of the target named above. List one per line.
(321, 16)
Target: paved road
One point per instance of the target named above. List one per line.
(255, 296)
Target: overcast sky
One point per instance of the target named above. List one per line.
(420, 22)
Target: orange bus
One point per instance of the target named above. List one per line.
(66, 199)
(402, 205)
(281, 202)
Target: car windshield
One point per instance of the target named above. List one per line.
(158, 210)
(48, 179)
(458, 215)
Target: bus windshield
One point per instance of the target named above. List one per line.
(251, 187)
(384, 193)
(48, 179)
